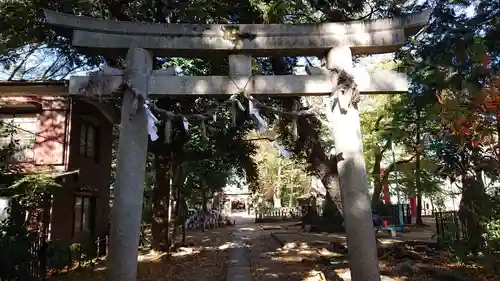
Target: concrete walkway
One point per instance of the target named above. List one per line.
(238, 265)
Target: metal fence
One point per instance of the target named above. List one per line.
(448, 227)
(96, 249)
(37, 265)
(42, 255)
(402, 210)
(29, 263)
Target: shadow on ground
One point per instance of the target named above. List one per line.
(274, 261)
(280, 252)
(205, 260)
(289, 254)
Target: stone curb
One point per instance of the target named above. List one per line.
(275, 238)
(238, 264)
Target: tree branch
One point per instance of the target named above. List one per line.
(258, 139)
(378, 158)
(391, 167)
(46, 72)
(377, 123)
(13, 74)
(386, 146)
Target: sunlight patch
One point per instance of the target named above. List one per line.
(151, 256)
(304, 246)
(325, 253)
(261, 269)
(307, 252)
(229, 245)
(287, 259)
(273, 275)
(185, 251)
(246, 229)
(314, 275)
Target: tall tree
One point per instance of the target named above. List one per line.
(448, 72)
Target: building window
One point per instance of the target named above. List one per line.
(18, 131)
(82, 216)
(88, 140)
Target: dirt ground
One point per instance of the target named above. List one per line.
(294, 234)
(205, 261)
(288, 254)
(270, 261)
(278, 252)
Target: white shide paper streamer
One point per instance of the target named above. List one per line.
(263, 127)
(185, 122)
(152, 120)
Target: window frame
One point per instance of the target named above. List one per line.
(85, 128)
(25, 147)
(83, 216)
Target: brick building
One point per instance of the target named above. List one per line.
(71, 137)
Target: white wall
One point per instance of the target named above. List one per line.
(4, 203)
(236, 185)
(450, 199)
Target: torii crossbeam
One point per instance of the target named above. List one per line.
(203, 40)
(239, 42)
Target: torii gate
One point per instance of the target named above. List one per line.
(240, 42)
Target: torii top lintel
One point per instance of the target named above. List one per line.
(199, 40)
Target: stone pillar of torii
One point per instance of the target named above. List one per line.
(141, 42)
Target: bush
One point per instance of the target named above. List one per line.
(58, 256)
(15, 254)
(483, 246)
(492, 234)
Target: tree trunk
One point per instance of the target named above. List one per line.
(160, 194)
(384, 178)
(324, 165)
(277, 188)
(472, 205)
(419, 220)
(418, 183)
(178, 179)
(333, 189)
(168, 207)
(276, 198)
(377, 181)
(184, 216)
(204, 199)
